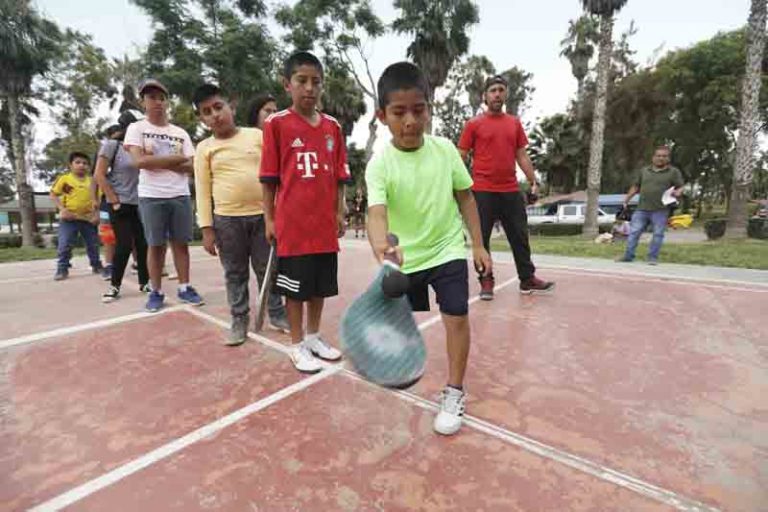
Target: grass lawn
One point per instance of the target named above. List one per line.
(31, 253)
(740, 254)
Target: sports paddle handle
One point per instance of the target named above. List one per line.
(394, 284)
(393, 242)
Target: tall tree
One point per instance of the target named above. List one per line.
(29, 44)
(750, 119)
(439, 29)
(224, 41)
(557, 152)
(518, 90)
(462, 95)
(77, 84)
(579, 48)
(704, 84)
(605, 9)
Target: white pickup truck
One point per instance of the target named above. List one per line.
(564, 214)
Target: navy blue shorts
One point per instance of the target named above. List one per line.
(451, 284)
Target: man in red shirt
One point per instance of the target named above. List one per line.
(497, 142)
(303, 172)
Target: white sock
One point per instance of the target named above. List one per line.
(312, 336)
(183, 287)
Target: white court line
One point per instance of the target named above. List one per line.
(727, 284)
(84, 327)
(549, 452)
(48, 277)
(708, 282)
(83, 491)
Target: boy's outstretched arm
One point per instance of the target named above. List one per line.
(269, 191)
(468, 209)
(341, 210)
(378, 227)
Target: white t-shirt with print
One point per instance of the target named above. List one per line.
(160, 141)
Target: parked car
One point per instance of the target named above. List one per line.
(564, 214)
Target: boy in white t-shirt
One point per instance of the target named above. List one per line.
(163, 153)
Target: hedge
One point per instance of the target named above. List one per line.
(563, 229)
(756, 228)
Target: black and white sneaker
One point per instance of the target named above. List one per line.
(113, 293)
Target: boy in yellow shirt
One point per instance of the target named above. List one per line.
(71, 192)
(230, 208)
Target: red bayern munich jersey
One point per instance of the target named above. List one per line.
(308, 163)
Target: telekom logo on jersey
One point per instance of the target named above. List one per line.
(307, 162)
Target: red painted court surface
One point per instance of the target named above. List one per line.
(615, 393)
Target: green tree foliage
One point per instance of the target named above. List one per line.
(341, 30)
(223, 41)
(605, 9)
(462, 95)
(79, 82)
(557, 151)
(439, 30)
(704, 82)
(29, 44)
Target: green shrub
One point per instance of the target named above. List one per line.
(714, 228)
(757, 228)
(8, 241)
(563, 229)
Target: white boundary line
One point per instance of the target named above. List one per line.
(711, 282)
(83, 491)
(63, 331)
(573, 461)
(78, 493)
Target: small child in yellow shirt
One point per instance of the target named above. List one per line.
(230, 208)
(71, 192)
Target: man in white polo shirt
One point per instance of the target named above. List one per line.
(163, 153)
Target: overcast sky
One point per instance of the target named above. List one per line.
(511, 32)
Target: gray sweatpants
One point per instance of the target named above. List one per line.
(240, 242)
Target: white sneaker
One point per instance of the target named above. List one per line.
(448, 420)
(304, 361)
(321, 349)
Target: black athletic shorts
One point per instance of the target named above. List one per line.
(307, 276)
(450, 282)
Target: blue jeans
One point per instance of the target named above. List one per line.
(68, 230)
(640, 220)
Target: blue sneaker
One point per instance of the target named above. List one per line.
(106, 273)
(190, 296)
(155, 302)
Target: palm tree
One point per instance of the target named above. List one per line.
(748, 123)
(579, 48)
(605, 9)
(28, 45)
(440, 35)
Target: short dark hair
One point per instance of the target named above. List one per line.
(662, 147)
(204, 92)
(78, 154)
(496, 79)
(300, 59)
(401, 76)
(256, 106)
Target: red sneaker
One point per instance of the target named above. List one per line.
(534, 285)
(486, 287)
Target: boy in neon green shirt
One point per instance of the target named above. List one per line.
(419, 189)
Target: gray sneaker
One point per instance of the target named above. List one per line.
(238, 333)
(280, 323)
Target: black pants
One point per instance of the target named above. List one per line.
(509, 208)
(129, 233)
